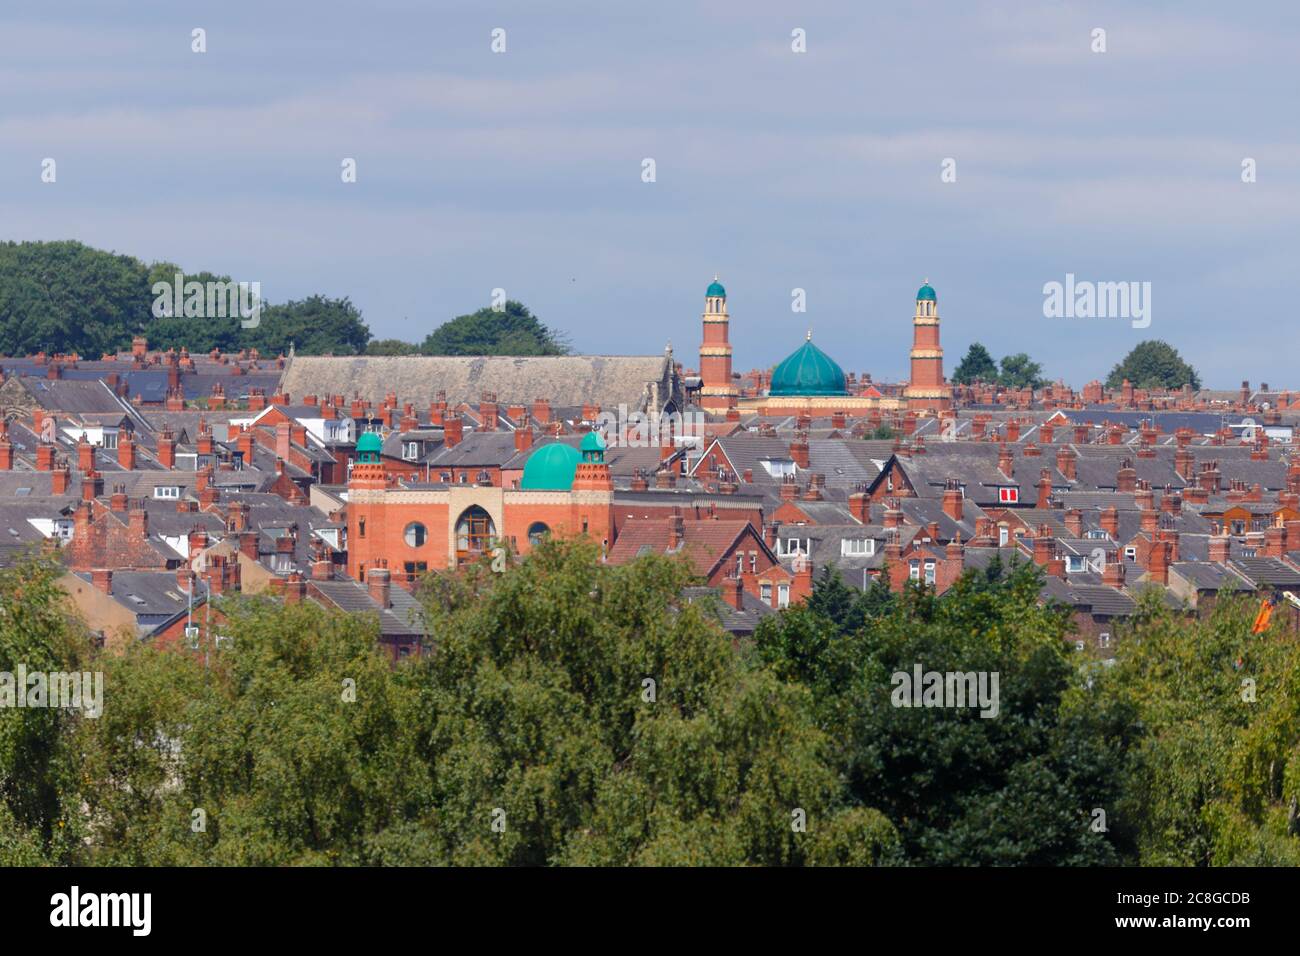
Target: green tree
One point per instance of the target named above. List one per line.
(1019, 371)
(512, 331)
(68, 297)
(1153, 364)
(392, 347)
(977, 366)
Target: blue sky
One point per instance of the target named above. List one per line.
(776, 170)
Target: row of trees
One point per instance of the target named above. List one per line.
(1152, 364)
(69, 297)
(577, 713)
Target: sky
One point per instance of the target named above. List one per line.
(777, 170)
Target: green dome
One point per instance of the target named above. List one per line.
(550, 468)
(370, 442)
(715, 290)
(592, 447)
(926, 292)
(809, 371)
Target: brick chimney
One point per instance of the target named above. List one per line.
(1044, 546)
(1074, 522)
(85, 455)
(1044, 489)
(860, 505)
(676, 532)
(1081, 434)
(137, 519)
(1275, 541)
(45, 457)
(377, 581)
(1158, 562)
(733, 592)
(789, 489)
(814, 492)
(166, 449)
(283, 440)
(1112, 572)
(453, 429)
(1066, 461)
(952, 499)
(1110, 521)
(893, 516)
(524, 438)
(542, 410)
(126, 451)
(1220, 547)
(1005, 461)
(1126, 477)
(92, 485)
(60, 479)
(799, 449)
(102, 579)
(118, 502)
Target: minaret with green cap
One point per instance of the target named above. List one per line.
(927, 391)
(717, 393)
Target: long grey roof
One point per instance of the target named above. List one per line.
(607, 380)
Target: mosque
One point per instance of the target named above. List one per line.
(809, 381)
(569, 490)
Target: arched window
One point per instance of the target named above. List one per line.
(475, 532)
(536, 532)
(415, 534)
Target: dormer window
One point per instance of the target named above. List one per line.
(171, 492)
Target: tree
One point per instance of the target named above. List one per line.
(68, 297)
(512, 331)
(960, 789)
(392, 347)
(976, 366)
(1153, 364)
(1019, 371)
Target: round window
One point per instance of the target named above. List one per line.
(415, 534)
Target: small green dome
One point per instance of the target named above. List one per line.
(550, 468)
(370, 442)
(592, 447)
(808, 371)
(926, 292)
(715, 290)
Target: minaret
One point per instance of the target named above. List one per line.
(717, 393)
(926, 389)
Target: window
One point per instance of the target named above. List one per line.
(536, 533)
(167, 491)
(1130, 554)
(1104, 639)
(740, 564)
(783, 595)
(859, 546)
(410, 450)
(110, 439)
(914, 571)
(1073, 564)
(361, 527)
(929, 572)
(1009, 496)
(753, 562)
(415, 535)
(475, 532)
(1003, 535)
(412, 568)
(765, 594)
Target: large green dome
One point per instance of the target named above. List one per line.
(550, 468)
(715, 290)
(926, 292)
(808, 371)
(370, 442)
